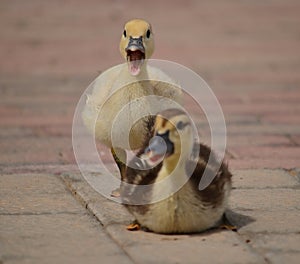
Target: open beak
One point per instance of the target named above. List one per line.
(159, 147)
(135, 55)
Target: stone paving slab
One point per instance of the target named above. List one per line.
(269, 163)
(256, 209)
(280, 221)
(56, 238)
(278, 243)
(141, 245)
(262, 179)
(278, 258)
(41, 222)
(267, 199)
(106, 211)
(28, 194)
(210, 247)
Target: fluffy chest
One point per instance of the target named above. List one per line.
(181, 212)
(122, 116)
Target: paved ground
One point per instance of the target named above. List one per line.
(248, 52)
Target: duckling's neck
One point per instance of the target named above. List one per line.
(170, 163)
(177, 161)
(136, 86)
(175, 166)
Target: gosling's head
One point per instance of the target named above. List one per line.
(137, 44)
(173, 138)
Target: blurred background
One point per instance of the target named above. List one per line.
(251, 39)
(247, 51)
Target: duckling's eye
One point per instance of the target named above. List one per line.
(148, 33)
(124, 33)
(180, 125)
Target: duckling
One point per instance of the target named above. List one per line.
(172, 152)
(122, 84)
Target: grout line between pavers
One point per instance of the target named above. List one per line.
(47, 168)
(295, 173)
(79, 197)
(41, 213)
(294, 142)
(74, 193)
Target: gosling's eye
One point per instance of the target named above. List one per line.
(124, 33)
(180, 125)
(148, 33)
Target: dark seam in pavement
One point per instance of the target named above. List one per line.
(43, 213)
(81, 200)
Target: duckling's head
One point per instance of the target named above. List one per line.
(137, 44)
(173, 138)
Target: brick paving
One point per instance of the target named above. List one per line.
(249, 54)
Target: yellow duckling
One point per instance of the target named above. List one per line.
(117, 87)
(171, 151)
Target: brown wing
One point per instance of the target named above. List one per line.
(213, 194)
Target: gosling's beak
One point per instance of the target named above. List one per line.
(135, 55)
(159, 146)
(135, 44)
